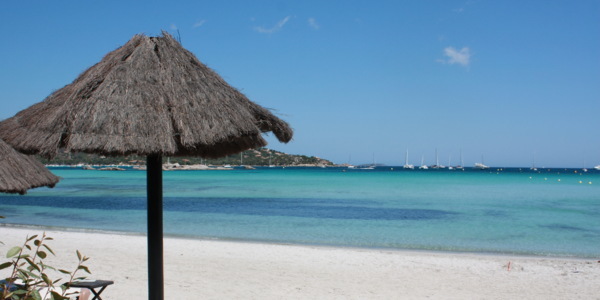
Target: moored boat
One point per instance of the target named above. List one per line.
(406, 164)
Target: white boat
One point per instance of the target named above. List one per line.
(437, 162)
(349, 165)
(366, 167)
(460, 167)
(481, 166)
(406, 164)
(423, 166)
(597, 167)
(533, 168)
(270, 155)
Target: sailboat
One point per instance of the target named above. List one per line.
(449, 165)
(533, 168)
(460, 167)
(350, 165)
(270, 155)
(406, 164)
(597, 167)
(368, 167)
(481, 165)
(437, 161)
(423, 165)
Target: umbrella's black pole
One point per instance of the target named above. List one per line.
(155, 228)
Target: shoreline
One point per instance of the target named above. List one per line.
(218, 269)
(591, 170)
(267, 242)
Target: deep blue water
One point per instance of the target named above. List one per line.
(550, 212)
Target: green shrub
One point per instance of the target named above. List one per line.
(30, 274)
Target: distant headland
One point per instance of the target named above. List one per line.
(255, 157)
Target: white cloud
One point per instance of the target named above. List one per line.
(273, 29)
(199, 23)
(312, 22)
(453, 56)
(173, 27)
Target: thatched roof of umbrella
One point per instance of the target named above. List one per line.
(150, 96)
(19, 172)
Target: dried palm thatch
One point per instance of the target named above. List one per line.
(148, 97)
(19, 172)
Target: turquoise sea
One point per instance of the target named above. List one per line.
(554, 212)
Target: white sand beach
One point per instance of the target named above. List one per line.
(206, 269)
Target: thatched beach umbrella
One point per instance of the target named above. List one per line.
(149, 97)
(19, 172)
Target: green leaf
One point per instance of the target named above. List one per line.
(37, 242)
(78, 254)
(25, 275)
(5, 265)
(13, 251)
(33, 265)
(85, 269)
(64, 271)
(57, 296)
(49, 250)
(20, 292)
(41, 254)
(31, 238)
(49, 267)
(36, 295)
(46, 279)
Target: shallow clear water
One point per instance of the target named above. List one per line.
(555, 212)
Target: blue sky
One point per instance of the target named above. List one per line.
(502, 80)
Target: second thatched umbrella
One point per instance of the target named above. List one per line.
(19, 172)
(149, 97)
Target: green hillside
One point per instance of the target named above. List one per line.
(257, 157)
